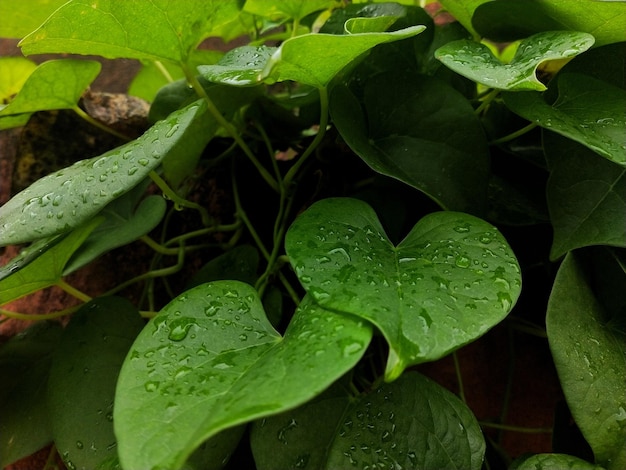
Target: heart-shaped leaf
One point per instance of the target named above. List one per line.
(211, 360)
(588, 110)
(553, 462)
(450, 280)
(66, 198)
(410, 423)
(476, 62)
(589, 351)
(82, 380)
(56, 84)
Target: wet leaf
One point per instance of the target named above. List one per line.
(589, 351)
(211, 360)
(553, 462)
(56, 84)
(286, 9)
(82, 381)
(66, 198)
(47, 269)
(588, 110)
(449, 281)
(418, 130)
(410, 423)
(476, 62)
(112, 29)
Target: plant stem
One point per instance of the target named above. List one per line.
(179, 201)
(459, 376)
(488, 98)
(514, 135)
(99, 125)
(73, 291)
(161, 68)
(39, 316)
(506, 427)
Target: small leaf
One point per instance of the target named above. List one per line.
(410, 423)
(56, 84)
(241, 66)
(449, 281)
(14, 71)
(588, 110)
(210, 360)
(286, 9)
(476, 62)
(66, 198)
(553, 462)
(589, 352)
(47, 269)
(82, 381)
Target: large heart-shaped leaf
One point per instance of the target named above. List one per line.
(410, 423)
(419, 130)
(589, 351)
(66, 198)
(588, 110)
(211, 360)
(476, 62)
(451, 279)
(82, 380)
(116, 30)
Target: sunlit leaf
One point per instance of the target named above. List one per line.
(449, 281)
(14, 71)
(287, 9)
(476, 62)
(23, 17)
(211, 360)
(463, 11)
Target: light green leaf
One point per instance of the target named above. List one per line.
(476, 62)
(463, 11)
(64, 199)
(211, 360)
(47, 269)
(589, 352)
(418, 130)
(410, 423)
(588, 110)
(286, 9)
(82, 381)
(303, 59)
(586, 196)
(553, 462)
(56, 84)
(165, 30)
(14, 71)
(23, 17)
(24, 366)
(449, 281)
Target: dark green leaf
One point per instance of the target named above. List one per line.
(66, 198)
(449, 281)
(215, 453)
(210, 360)
(239, 264)
(589, 354)
(476, 61)
(420, 131)
(553, 462)
(82, 380)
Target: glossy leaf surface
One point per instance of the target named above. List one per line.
(476, 62)
(113, 29)
(66, 198)
(410, 423)
(554, 462)
(418, 130)
(82, 381)
(211, 360)
(449, 281)
(56, 84)
(589, 351)
(588, 110)
(47, 269)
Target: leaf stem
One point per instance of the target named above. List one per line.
(73, 291)
(487, 99)
(459, 376)
(39, 316)
(161, 68)
(179, 201)
(506, 427)
(514, 135)
(99, 125)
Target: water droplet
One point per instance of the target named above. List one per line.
(179, 328)
(103, 177)
(143, 161)
(151, 386)
(243, 337)
(282, 432)
(302, 461)
(132, 170)
(79, 445)
(463, 228)
(172, 131)
(462, 262)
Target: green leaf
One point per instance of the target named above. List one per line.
(82, 381)
(56, 84)
(500, 20)
(303, 59)
(239, 264)
(24, 366)
(463, 11)
(418, 130)
(449, 281)
(167, 30)
(210, 360)
(387, 12)
(476, 61)
(66, 198)
(286, 9)
(215, 452)
(588, 110)
(586, 196)
(410, 423)
(14, 71)
(553, 462)
(21, 18)
(47, 269)
(589, 352)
